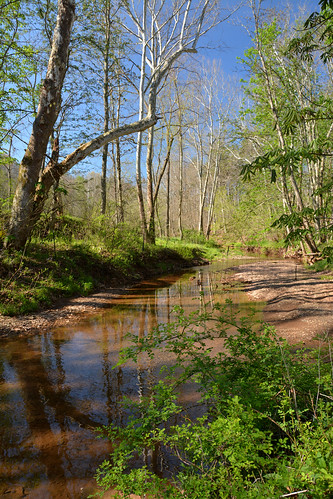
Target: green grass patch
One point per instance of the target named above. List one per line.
(40, 276)
(190, 250)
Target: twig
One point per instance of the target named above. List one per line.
(295, 493)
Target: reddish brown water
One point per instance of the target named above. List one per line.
(58, 386)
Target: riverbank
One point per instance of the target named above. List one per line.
(299, 302)
(27, 284)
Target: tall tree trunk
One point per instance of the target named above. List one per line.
(120, 205)
(57, 206)
(48, 109)
(181, 172)
(150, 186)
(115, 181)
(141, 113)
(9, 169)
(103, 178)
(213, 195)
(167, 219)
(106, 105)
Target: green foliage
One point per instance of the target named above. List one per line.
(265, 427)
(310, 42)
(4, 217)
(282, 116)
(39, 276)
(16, 66)
(256, 200)
(193, 236)
(297, 233)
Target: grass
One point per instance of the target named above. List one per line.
(40, 276)
(191, 250)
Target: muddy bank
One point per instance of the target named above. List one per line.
(299, 301)
(66, 310)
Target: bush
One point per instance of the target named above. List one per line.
(265, 427)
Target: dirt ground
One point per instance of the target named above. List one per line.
(299, 302)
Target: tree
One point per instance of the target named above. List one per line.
(105, 43)
(33, 182)
(17, 70)
(164, 36)
(288, 96)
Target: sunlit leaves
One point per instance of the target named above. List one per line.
(264, 427)
(17, 89)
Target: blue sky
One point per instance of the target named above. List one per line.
(233, 38)
(227, 41)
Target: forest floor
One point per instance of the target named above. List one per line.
(299, 302)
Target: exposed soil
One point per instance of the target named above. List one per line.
(299, 302)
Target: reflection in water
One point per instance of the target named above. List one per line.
(58, 386)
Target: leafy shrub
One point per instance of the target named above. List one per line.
(266, 423)
(65, 226)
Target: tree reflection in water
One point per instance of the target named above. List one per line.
(56, 387)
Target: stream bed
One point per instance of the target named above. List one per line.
(58, 386)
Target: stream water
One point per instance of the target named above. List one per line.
(56, 387)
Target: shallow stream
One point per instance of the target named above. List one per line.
(56, 387)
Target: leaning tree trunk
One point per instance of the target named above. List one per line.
(34, 184)
(21, 224)
(53, 172)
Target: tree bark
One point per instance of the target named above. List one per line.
(150, 187)
(181, 172)
(167, 220)
(48, 109)
(120, 201)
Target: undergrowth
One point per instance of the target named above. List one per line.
(265, 427)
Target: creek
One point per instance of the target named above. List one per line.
(57, 386)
